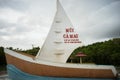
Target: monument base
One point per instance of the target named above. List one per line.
(16, 74)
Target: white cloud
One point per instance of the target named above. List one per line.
(22, 29)
(10, 15)
(28, 21)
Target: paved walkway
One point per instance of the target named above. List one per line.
(4, 77)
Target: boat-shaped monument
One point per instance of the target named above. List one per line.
(51, 60)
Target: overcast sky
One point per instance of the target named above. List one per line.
(24, 23)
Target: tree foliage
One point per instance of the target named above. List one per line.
(2, 56)
(107, 52)
(32, 51)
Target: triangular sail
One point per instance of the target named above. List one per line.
(61, 39)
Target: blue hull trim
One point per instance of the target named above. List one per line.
(16, 74)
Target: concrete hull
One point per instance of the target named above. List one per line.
(56, 71)
(17, 74)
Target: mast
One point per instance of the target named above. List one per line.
(57, 4)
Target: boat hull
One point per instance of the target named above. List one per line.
(17, 74)
(55, 71)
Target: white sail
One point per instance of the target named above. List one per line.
(61, 40)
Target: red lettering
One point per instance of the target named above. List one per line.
(69, 29)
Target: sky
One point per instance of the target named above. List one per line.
(24, 23)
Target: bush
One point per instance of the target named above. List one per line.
(2, 56)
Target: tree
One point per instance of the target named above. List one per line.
(32, 51)
(107, 52)
(2, 56)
